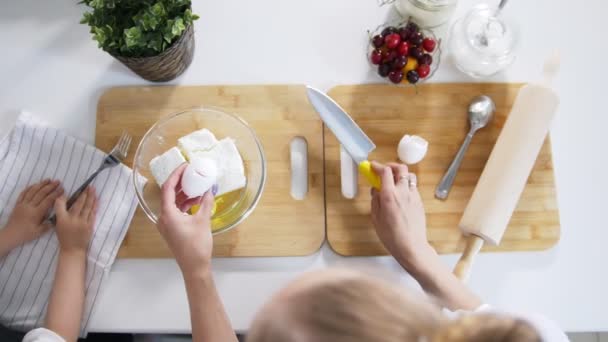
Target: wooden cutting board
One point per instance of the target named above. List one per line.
(438, 113)
(280, 225)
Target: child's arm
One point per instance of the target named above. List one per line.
(74, 229)
(26, 222)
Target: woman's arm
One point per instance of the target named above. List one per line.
(208, 318)
(399, 218)
(74, 230)
(191, 242)
(438, 280)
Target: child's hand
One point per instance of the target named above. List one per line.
(188, 236)
(75, 225)
(26, 222)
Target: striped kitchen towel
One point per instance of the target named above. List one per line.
(34, 151)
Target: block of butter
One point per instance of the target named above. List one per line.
(162, 166)
(201, 140)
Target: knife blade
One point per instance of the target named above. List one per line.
(349, 134)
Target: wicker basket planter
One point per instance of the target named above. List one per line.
(169, 64)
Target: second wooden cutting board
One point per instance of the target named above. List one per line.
(280, 225)
(438, 114)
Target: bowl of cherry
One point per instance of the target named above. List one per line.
(404, 54)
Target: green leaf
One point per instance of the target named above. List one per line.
(155, 42)
(132, 37)
(167, 34)
(96, 3)
(86, 18)
(178, 27)
(189, 17)
(158, 10)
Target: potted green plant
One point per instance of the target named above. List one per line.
(154, 38)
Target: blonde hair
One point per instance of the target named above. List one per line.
(363, 309)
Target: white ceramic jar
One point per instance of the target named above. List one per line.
(427, 13)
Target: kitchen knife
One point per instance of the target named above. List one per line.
(505, 175)
(353, 139)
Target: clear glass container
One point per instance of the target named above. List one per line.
(482, 44)
(231, 208)
(427, 13)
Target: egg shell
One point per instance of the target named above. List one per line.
(231, 170)
(200, 176)
(412, 149)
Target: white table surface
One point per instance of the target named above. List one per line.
(49, 65)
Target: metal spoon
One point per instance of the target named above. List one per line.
(500, 7)
(481, 111)
(483, 39)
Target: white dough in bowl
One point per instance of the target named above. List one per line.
(200, 176)
(412, 149)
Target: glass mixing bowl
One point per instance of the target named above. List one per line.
(231, 208)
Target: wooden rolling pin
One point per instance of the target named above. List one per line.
(505, 175)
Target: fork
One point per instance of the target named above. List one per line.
(115, 157)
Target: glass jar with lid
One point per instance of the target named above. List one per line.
(482, 44)
(427, 13)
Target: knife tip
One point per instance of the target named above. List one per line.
(312, 89)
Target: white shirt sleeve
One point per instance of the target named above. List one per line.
(546, 328)
(42, 335)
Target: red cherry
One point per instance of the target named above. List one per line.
(423, 70)
(392, 40)
(412, 76)
(378, 41)
(389, 56)
(384, 69)
(416, 52)
(426, 59)
(403, 49)
(416, 39)
(428, 44)
(376, 57)
(396, 76)
(399, 63)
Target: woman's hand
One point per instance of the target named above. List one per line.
(75, 225)
(26, 222)
(398, 214)
(188, 236)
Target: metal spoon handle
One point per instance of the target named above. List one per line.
(443, 189)
(500, 7)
